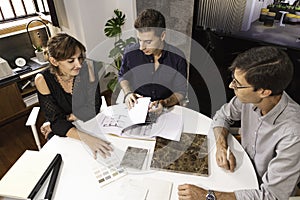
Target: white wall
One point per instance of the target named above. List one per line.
(252, 11)
(86, 19)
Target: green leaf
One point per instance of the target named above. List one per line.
(115, 52)
(39, 48)
(130, 40)
(112, 84)
(113, 25)
(118, 62)
(113, 28)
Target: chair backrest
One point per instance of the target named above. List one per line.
(104, 104)
(120, 97)
(31, 121)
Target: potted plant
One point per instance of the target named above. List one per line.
(39, 52)
(297, 10)
(113, 29)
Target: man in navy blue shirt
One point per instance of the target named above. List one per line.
(153, 68)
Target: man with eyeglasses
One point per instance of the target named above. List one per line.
(270, 127)
(152, 67)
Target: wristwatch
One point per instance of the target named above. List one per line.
(210, 195)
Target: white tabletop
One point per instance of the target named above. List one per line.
(77, 180)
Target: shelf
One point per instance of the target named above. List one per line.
(31, 99)
(28, 91)
(18, 96)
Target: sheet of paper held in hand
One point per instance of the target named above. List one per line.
(120, 121)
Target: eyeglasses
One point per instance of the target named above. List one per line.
(235, 84)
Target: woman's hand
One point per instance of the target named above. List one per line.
(96, 144)
(46, 129)
(71, 117)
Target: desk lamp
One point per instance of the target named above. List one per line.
(47, 31)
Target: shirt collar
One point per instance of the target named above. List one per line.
(275, 112)
(164, 51)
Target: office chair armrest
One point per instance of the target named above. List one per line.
(33, 116)
(31, 121)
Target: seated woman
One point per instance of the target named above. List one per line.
(67, 91)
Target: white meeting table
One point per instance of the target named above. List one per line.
(77, 181)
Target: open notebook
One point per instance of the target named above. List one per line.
(135, 123)
(118, 117)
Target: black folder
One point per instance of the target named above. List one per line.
(29, 173)
(54, 168)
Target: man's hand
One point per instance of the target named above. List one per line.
(131, 99)
(156, 107)
(225, 158)
(191, 192)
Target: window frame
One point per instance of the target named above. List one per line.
(43, 5)
(14, 26)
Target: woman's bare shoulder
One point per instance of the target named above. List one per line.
(41, 84)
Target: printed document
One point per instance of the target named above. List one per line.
(116, 120)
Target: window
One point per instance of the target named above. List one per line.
(11, 10)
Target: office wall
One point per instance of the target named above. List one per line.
(178, 14)
(86, 19)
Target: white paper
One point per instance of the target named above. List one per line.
(22, 177)
(115, 119)
(147, 189)
(138, 113)
(158, 189)
(133, 190)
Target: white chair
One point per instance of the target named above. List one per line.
(120, 97)
(31, 121)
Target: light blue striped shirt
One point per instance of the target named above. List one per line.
(272, 142)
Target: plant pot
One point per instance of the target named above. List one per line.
(40, 56)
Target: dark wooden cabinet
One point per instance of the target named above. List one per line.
(18, 96)
(11, 101)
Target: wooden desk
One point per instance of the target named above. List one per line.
(77, 180)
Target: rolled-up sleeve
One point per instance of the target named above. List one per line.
(228, 113)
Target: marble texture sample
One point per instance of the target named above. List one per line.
(189, 155)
